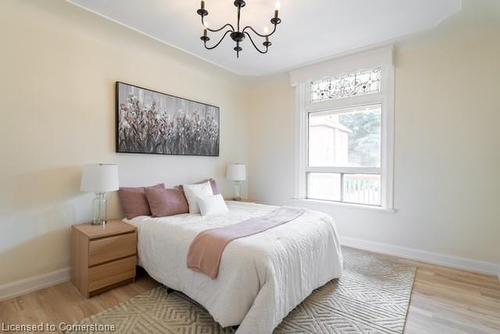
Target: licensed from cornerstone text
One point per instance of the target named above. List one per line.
(45, 327)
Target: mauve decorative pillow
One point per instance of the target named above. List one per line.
(134, 202)
(166, 202)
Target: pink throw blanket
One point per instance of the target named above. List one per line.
(205, 251)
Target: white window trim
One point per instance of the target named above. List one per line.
(302, 78)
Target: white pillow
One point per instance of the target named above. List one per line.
(212, 205)
(195, 191)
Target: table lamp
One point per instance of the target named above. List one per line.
(99, 179)
(236, 173)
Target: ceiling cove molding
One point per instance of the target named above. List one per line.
(150, 36)
(346, 63)
(418, 18)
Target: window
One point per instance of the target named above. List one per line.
(347, 84)
(345, 136)
(345, 155)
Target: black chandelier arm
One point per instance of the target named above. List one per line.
(237, 34)
(254, 45)
(220, 41)
(261, 35)
(216, 30)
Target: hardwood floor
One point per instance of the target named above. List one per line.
(452, 301)
(63, 303)
(443, 301)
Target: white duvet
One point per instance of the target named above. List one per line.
(261, 277)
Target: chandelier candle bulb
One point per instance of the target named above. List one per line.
(202, 11)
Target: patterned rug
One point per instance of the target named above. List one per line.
(372, 296)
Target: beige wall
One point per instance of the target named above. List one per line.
(58, 67)
(447, 147)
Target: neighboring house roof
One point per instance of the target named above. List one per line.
(330, 123)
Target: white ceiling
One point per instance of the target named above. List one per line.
(311, 30)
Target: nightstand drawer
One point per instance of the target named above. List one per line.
(110, 273)
(108, 249)
(102, 256)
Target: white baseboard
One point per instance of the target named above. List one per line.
(456, 262)
(27, 285)
(24, 286)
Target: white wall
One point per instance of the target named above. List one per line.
(58, 66)
(447, 142)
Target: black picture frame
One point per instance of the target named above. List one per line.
(168, 125)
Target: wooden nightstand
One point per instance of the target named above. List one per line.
(103, 256)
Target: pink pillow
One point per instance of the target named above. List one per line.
(213, 184)
(134, 202)
(166, 202)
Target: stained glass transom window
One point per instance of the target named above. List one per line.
(347, 85)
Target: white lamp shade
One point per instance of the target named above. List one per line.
(236, 172)
(99, 178)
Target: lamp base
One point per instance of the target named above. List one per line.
(237, 191)
(99, 209)
(97, 222)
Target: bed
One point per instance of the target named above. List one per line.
(261, 277)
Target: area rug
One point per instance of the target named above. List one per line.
(372, 296)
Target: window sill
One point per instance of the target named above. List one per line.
(344, 205)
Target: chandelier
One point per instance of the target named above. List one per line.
(238, 35)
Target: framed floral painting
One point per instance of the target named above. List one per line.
(152, 122)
